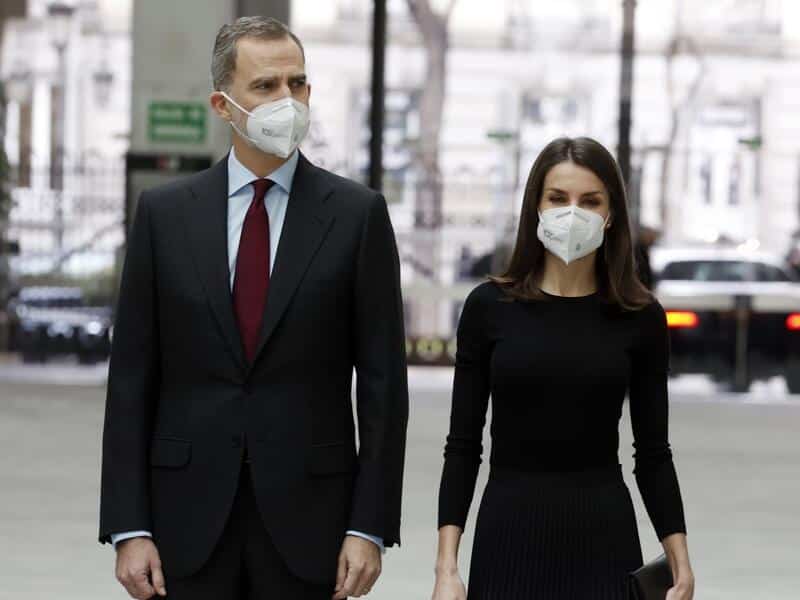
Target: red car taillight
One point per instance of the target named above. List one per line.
(681, 319)
(793, 322)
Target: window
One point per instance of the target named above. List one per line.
(710, 270)
(771, 273)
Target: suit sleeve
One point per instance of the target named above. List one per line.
(132, 389)
(381, 380)
(654, 468)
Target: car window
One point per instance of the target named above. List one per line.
(710, 270)
(771, 273)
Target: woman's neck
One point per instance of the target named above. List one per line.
(576, 279)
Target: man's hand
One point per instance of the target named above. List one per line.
(139, 568)
(359, 568)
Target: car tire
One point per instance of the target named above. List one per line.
(793, 374)
(34, 358)
(86, 358)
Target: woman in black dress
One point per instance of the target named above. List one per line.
(557, 341)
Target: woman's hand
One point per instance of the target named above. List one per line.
(678, 556)
(683, 588)
(449, 586)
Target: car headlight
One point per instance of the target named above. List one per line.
(59, 330)
(29, 326)
(93, 328)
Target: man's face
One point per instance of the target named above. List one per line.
(266, 70)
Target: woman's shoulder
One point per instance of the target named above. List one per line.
(484, 293)
(650, 320)
(653, 312)
(479, 301)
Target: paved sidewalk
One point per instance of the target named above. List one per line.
(737, 462)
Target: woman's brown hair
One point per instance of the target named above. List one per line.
(617, 281)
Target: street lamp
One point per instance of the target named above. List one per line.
(59, 26)
(59, 23)
(510, 143)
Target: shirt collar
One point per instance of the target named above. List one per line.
(240, 176)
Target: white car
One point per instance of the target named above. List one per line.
(733, 314)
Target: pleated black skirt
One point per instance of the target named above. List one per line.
(554, 536)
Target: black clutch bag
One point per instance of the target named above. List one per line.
(651, 581)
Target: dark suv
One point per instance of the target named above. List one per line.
(48, 321)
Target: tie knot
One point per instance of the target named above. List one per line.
(260, 186)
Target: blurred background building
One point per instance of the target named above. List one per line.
(714, 150)
(472, 96)
(100, 99)
(67, 70)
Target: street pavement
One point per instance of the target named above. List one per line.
(738, 459)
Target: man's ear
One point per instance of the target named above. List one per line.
(220, 105)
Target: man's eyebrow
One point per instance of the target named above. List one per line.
(261, 80)
(275, 78)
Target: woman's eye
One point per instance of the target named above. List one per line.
(557, 199)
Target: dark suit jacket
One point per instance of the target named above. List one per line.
(182, 399)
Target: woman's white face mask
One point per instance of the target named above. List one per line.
(571, 232)
(275, 128)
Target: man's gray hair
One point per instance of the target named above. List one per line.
(223, 61)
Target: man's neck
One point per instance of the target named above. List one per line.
(257, 162)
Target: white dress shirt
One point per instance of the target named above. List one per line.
(240, 195)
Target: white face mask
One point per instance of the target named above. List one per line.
(571, 232)
(275, 128)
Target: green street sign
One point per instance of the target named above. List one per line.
(502, 135)
(183, 122)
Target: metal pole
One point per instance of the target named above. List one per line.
(376, 113)
(626, 89)
(741, 371)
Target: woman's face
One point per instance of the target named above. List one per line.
(570, 184)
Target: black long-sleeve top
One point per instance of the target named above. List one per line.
(558, 371)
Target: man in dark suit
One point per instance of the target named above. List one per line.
(250, 292)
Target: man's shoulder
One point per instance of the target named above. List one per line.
(212, 177)
(347, 190)
(180, 184)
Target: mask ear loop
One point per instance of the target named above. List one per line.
(236, 104)
(234, 125)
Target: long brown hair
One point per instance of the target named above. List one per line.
(617, 281)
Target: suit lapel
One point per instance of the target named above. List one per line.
(304, 228)
(206, 219)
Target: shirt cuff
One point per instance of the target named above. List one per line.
(127, 535)
(375, 540)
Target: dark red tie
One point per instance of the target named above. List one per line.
(251, 281)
